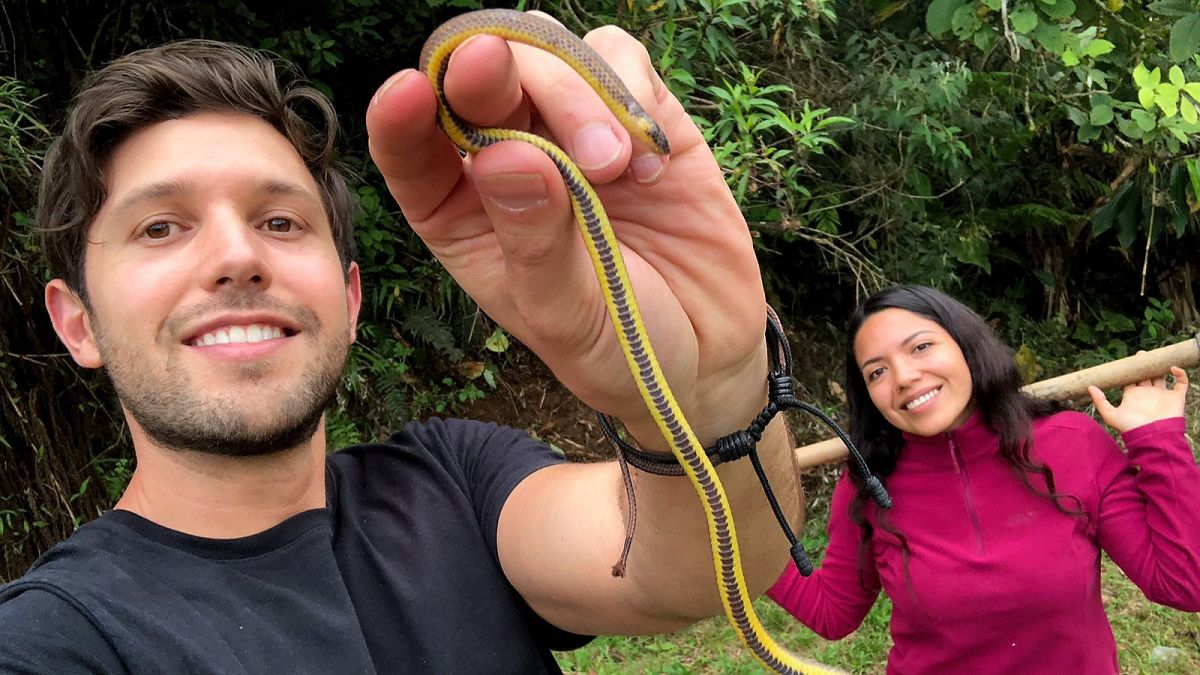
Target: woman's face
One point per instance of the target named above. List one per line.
(915, 372)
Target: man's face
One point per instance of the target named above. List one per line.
(217, 303)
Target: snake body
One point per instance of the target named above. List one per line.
(614, 280)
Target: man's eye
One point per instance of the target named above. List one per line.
(159, 230)
(280, 225)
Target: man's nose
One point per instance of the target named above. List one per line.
(235, 255)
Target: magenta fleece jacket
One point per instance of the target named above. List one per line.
(999, 580)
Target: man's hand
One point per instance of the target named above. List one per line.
(1143, 402)
(501, 223)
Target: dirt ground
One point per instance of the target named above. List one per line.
(528, 397)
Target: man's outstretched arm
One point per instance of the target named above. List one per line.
(501, 223)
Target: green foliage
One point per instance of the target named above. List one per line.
(1033, 161)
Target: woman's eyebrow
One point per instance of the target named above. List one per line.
(905, 341)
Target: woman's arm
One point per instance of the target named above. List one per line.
(833, 601)
(1149, 511)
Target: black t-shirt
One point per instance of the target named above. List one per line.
(399, 574)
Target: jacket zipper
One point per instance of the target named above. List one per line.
(960, 468)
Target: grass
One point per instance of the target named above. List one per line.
(1139, 626)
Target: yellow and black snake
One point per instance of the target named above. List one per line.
(614, 280)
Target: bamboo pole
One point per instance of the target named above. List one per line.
(1067, 387)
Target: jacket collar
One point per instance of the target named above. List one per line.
(973, 439)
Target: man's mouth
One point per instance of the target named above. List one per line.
(923, 398)
(248, 334)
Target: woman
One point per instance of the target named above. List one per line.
(1002, 504)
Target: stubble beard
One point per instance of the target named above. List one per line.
(176, 415)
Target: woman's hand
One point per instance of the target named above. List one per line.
(1143, 402)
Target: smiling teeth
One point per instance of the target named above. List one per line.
(255, 332)
(921, 399)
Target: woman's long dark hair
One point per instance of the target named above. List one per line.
(996, 394)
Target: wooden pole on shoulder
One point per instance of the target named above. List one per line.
(1143, 366)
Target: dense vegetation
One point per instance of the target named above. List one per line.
(1038, 158)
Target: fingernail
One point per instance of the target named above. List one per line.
(514, 192)
(647, 168)
(595, 147)
(391, 81)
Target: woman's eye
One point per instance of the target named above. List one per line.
(280, 225)
(923, 346)
(159, 230)
(874, 374)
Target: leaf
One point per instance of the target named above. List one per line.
(984, 38)
(1175, 75)
(1024, 20)
(1166, 97)
(965, 22)
(1146, 97)
(1061, 9)
(971, 250)
(1171, 7)
(1050, 37)
(1193, 90)
(1193, 169)
(1145, 120)
(1141, 76)
(497, 341)
(470, 369)
(1027, 364)
(1105, 217)
(1101, 115)
(1188, 112)
(1130, 128)
(1099, 48)
(1077, 116)
(1069, 58)
(1088, 133)
(939, 15)
(1185, 38)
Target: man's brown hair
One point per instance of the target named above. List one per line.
(169, 82)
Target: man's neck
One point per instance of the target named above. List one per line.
(223, 497)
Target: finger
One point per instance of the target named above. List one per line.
(547, 269)
(482, 84)
(578, 118)
(419, 163)
(631, 62)
(1100, 401)
(1181, 377)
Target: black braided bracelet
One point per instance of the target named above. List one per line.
(780, 396)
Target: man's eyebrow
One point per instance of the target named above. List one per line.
(277, 187)
(149, 192)
(906, 340)
(168, 188)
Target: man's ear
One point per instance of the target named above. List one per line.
(71, 322)
(353, 298)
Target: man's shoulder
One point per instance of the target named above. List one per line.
(88, 553)
(43, 631)
(93, 561)
(43, 626)
(461, 449)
